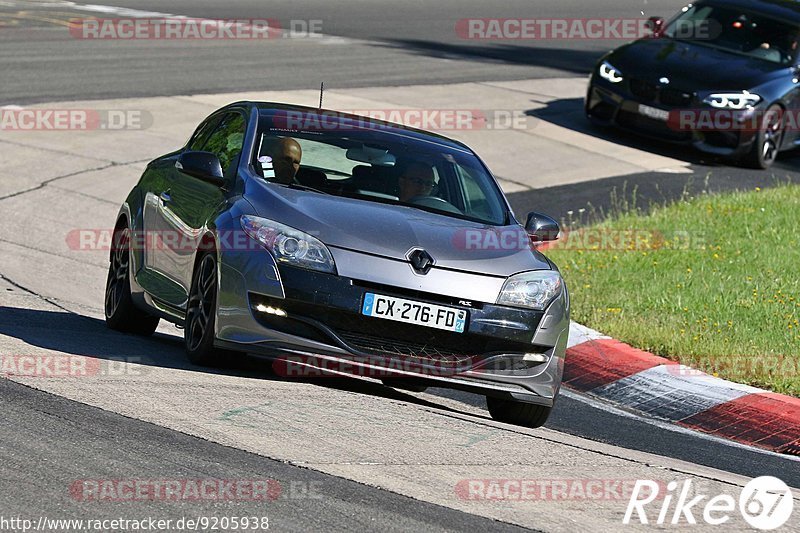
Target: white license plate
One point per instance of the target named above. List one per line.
(653, 112)
(411, 312)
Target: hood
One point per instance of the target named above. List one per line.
(691, 67)
(392, 231)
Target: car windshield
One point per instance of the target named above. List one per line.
(737, 31)
(377, 163)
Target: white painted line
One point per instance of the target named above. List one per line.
(110, 10)
(675, 170)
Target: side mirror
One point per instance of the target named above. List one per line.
(655, 25)
(201, 165)
(542, 228)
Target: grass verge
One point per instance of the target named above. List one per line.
(712, 282)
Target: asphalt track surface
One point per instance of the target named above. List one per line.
(382, 43)
(47, 437)
(46, 440)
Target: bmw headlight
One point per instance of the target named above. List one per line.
(742, 100)
(608, 72)
(535, 290)
(289, 245)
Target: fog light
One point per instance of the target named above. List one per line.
(534, 357)
(270, 310)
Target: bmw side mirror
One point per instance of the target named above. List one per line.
(201, 165)
(542, 228)
(655, 25)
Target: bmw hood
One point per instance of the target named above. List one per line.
(690, 66)
(392, 231)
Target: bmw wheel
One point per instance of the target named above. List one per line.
(768, 140)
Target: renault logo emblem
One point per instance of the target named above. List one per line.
(421, 261)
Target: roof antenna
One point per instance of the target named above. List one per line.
(321, 91)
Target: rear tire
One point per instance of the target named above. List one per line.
(198, 331)
(120, 311)
(518, 413)
(768, 140)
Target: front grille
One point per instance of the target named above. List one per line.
(375, 335)
(651, 93)
(392, 347)
(646, 91)
(650, 126)
(675, 98)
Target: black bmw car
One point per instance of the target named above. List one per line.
(722, 76)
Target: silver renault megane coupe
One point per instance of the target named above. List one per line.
(324, 240)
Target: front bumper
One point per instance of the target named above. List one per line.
(319, 324)
(618, 105)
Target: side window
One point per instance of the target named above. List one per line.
(201, 134)
(227, 140)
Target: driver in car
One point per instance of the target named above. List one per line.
(417, 180)
(281, 160)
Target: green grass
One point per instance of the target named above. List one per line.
(712, 282)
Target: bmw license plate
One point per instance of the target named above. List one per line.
(411, 312)
(654, 112)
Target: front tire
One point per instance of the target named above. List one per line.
(768, 140)
(120, 311)
(198, 331)
(518, 413)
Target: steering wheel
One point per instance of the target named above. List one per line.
(434, 202)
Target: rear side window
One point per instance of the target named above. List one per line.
(227, 140)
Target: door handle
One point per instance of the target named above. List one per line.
(165, 197)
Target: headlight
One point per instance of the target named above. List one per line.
(289, 245)
(608, 72)
(531, 289)
(740, 100)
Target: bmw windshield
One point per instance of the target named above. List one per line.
(355, 158)
(736, 31)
